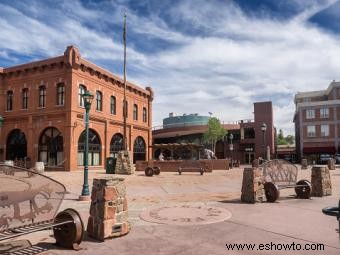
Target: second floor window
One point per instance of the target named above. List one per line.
(81, 92)
(135, 112)
(42, 96)
(324, 113)
(99, 98)
(144, 115)
(25, 98)
(113, 105)
(324, 130)
(60, 94)
(9, 106)
(310, 131)
(310, 114)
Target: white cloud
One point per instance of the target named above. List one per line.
(221, 60)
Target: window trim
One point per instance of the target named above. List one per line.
(310, 116)
(24, 102)
(323, 134)
(60, 94)
(81, 91)
(145, 115)
(113, 105)
(135, 112)
(99, 101)
(322, 113)
(42, 96)
(9, 100)
(311, 134)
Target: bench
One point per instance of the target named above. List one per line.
(191, 166)
(280, 174)
(29, 202)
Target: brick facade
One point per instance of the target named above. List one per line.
(67, 118)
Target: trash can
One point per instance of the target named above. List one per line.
(110, 165)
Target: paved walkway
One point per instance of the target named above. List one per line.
(288, 221)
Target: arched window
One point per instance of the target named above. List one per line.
(81, 92)
(9, 100)
(94, 148)
(116, 144)
(113, 105)
(99, 99)
(60, 94)
(144, 115)
(126, 109)
(139, 149)
(51, 147)
(25, 98)
(16, 146)
(42, 96)
(135, 112)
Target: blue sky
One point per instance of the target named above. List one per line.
(199, 56)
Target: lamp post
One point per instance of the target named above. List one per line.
(85, 194)
(231, 147)
(263, 129)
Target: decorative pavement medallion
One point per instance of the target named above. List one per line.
(185, 215)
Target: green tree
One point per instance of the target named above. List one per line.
(215, 132)
(282, 140)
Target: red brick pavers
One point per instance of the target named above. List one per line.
(284, 222)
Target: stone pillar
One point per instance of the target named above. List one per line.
(321, 181)
(252, 185)
(124, 163)
(304, 164)
(108, 211)
(331, 164)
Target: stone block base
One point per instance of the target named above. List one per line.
(109, 209)
(124, 163)
(331, 164)
(321, 181)
(252, 186)
(304, 164)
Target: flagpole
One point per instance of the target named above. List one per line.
(124, 101)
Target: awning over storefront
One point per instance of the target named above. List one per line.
(319, 150)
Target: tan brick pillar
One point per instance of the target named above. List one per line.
(252, 185)
(321, 181)
(108, 211)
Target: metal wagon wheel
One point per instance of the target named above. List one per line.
(149, 171)
(69, 235)
(156, 170)
(303, 189)
(271, 191)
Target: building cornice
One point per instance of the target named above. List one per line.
(72, 59)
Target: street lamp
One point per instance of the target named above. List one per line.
(87, 97)
(231, 147)
(263, 129)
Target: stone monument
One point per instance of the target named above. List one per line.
(108, 211)
(321, 181)
(124, 163)
(252, 185)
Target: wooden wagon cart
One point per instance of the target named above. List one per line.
(29, 202)
(280, 174)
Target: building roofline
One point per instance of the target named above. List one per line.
(73, 59)
(325, 92)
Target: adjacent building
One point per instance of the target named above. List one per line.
(249, 140)
(317, 122)
(43, 110)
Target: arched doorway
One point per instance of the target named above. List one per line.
(139, 149)
(116, 144)
(94, 148)
(16, 146)
(51, 147)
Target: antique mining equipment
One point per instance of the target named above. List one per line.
(108, 211)
(333, 211)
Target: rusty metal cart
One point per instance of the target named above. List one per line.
(280, 174)
(29, 202)
(151, 169)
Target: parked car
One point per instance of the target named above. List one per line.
(323, 159)
(337, 158)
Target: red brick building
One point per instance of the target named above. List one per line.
(43, 113)
(317, 126)
(249, 141)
